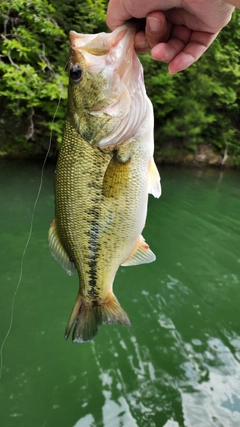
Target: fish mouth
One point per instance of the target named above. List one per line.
(100, 43)
(110, 48)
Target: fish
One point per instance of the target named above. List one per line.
(104, 173)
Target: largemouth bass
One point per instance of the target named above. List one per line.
(104, 173)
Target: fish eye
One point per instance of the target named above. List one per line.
(76, 73)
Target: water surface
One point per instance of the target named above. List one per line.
(179, 363)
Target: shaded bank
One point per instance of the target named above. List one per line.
(204, 156)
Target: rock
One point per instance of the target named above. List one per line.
(206, 155)
(216, 160)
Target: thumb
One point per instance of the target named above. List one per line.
(157, 29)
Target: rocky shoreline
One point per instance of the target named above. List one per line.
(204, 156)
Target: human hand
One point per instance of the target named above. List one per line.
(177, 32)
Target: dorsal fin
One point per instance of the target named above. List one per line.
(141, 254)
(58, 251)
(154, 186)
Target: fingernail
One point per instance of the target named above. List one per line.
(154, 24)
(143, 44)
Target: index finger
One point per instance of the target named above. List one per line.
(120, 11)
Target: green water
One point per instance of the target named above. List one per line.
(179, 363)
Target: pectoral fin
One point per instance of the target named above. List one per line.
(58, 250)
(141, 254)
(117, 174)
(154, 186)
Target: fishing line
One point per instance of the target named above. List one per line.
(28, 240)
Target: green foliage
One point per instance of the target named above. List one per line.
(29, 79)
(83, 16)
(34, 48)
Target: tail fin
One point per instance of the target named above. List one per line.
(88, 317)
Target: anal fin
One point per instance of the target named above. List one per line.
(58, 251)
(141, 254)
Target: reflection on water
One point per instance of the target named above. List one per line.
(179, 364)
(216, 399)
